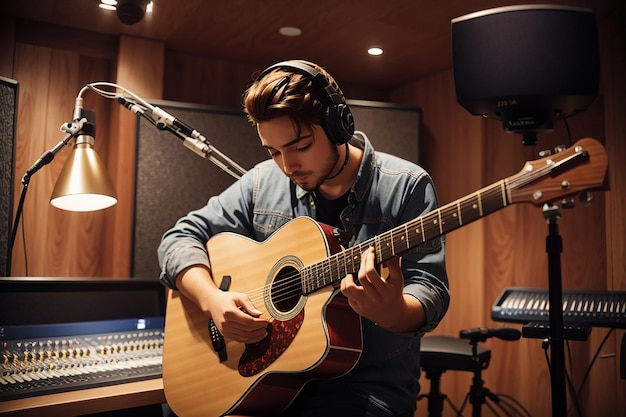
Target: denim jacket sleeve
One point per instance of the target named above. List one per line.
(255, 206)
(184, 244)
(391, 192)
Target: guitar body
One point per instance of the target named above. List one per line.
(311, 337)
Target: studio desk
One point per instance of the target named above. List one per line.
(71, 347)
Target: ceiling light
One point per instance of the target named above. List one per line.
(124, 6)
(290, 31)
(375, 51)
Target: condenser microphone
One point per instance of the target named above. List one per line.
(78, 107)
(89, 126)
(165, 120)
(130, 105)
(480, 334)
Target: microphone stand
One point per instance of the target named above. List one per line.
(479, 394)
(554, 247)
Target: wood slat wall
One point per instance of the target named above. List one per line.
(463, 153)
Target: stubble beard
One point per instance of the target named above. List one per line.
(314, 182)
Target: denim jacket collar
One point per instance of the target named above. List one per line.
(366, 170)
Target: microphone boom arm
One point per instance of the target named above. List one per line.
(191, 138)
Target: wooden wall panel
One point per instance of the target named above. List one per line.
(140, 70)
(7, 46)
(45, 74)
(33, 90)
(613, 39)
(452, 152)
(58, 243)
(203, 80)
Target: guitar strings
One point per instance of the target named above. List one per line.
(292, 285)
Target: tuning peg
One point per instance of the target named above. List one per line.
(568, 204)
(559, 148)
(544, 153)
(585, 197)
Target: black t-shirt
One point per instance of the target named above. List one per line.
(329, 211)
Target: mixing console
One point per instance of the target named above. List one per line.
(75, 338)
(39, 360)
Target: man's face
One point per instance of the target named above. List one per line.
(307, 159)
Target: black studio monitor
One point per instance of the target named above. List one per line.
(526, 65)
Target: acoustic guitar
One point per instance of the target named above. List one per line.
(291, 278)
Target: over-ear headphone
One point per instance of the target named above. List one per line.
(337, 119)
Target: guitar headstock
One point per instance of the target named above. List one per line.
(579, 168)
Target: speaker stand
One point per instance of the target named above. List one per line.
(554, 247)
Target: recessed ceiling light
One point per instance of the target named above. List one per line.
(375, 51)
(290, 31)
(112, 5)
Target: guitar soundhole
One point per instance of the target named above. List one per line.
(286, 291)
(285, 303)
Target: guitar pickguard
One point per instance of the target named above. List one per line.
(258, 356)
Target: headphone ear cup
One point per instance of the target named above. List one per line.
(338, 123)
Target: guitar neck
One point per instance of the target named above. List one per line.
(578, 168)
(407, 236)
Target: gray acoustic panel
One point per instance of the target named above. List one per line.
(8, 117)
(391, 128)
(172, 180)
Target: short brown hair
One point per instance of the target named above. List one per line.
(285, 92)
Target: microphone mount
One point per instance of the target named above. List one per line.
(481, 334)
(73, 129)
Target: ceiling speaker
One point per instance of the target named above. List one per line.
(131, 11)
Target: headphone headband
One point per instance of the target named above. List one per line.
(337, 119)
(309, 71)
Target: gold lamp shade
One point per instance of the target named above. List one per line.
(83, 184)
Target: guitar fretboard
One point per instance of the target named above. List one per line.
(402, 238)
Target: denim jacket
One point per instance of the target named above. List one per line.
(388, 192)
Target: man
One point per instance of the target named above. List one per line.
(321, 168)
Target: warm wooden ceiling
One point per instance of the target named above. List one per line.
(415, 34)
